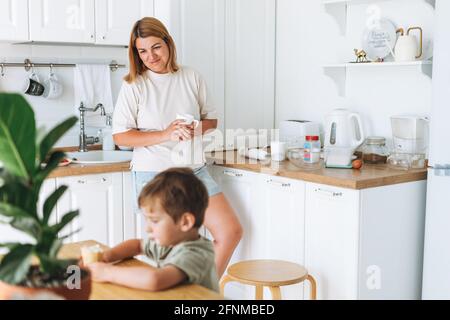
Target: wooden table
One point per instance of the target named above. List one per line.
(108, 291)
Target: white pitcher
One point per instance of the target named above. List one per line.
(406, 48)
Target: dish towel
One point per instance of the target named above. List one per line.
(92, 85)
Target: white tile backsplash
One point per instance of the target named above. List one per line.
(50, 112)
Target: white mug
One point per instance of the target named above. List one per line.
(278, 150)
(53, 87)
(188, 119)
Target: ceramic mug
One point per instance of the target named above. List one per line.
(278, 150)
(188, 119)
(53, 87)
(32, 86)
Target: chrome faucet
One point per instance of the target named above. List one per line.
(84, 140)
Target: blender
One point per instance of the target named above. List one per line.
(410, 142)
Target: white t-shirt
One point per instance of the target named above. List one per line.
(151, 103)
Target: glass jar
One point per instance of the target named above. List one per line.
(311, 153)
(374, 150)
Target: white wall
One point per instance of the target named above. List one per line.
(308, 37)
(50, 112)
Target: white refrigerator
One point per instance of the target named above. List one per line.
(436, 267)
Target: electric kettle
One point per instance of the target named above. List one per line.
(343, 129)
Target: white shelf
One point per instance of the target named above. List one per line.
(350, 2)
(379, 64)
(338, 71)
(338, 9)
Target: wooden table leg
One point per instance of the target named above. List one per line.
(259, 292)
(225, 279)
(276, 293)
(312, 281)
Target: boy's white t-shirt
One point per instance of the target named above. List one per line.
(152, 103)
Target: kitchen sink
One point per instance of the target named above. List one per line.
(100, 156)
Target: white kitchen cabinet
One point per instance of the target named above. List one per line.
(133, 222)
(9, 234)
(332, 226)
(357, 244)
(62, 21)
(115, 18)
(271, 211)
(365, 244)
(13, 20)
(278, 225)
(250, 64)
(99, 199)
(239, 187)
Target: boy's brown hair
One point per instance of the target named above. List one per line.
(178, 190)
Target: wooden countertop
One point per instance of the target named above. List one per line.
(368, 176)
(76, 169)
(108, 291)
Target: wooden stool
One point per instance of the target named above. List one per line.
(268, 273)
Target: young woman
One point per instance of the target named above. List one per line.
(154, 94)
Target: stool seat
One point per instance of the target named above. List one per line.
(267, 272)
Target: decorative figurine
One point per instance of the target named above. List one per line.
(361, 56)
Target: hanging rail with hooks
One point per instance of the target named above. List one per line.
(27, 64)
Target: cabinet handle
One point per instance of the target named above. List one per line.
(232, 174)
(104, 37)
(279, 184)
(92, 181)
(328, 192)
(92, 36)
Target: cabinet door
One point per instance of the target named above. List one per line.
(282, 235)
(332, 236)
(62, 20)
(238, 187)
(250, 64)
(14, 20)
(115, 18)
(9, 234)
(99, 199)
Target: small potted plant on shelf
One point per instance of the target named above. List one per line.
(25, 161)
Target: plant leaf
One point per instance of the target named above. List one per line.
(9, 210)
(54, 135)
(9, 245)
(66, 219)
(52, 163)
(50, 203)
(17, 135)
(50, 265)
(56, 246)
(15, 265)
(70, 234)
(27, 225)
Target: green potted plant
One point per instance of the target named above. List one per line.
(25, 162)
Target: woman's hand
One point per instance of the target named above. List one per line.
(177, 131)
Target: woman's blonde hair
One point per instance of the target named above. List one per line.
(149, 27)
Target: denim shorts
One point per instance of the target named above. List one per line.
(141, 178)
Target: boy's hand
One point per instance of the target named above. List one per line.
(99, 271)
(106, 256)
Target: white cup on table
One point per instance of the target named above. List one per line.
(278, 150)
